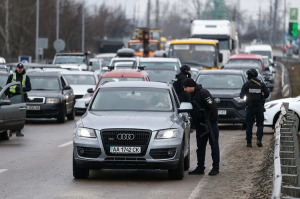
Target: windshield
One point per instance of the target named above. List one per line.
(224, 44)
(263, 53)
(266, 61)
(69, 60)
(161, 75)
(117, 61)
(81, 79)
(132, 99)
(139, 47)
(171, 64)
(95, 65)
(44, 83)
(221, 81)
(194, 54)
(3, 80)
(243, 61)
(118, 79)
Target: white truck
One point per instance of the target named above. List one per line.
(222, 30)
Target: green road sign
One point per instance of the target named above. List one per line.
(294, 14)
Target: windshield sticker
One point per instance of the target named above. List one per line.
(181, 47)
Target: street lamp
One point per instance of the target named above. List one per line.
(83, 23)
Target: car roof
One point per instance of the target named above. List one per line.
(246, 65)
(77, 72)
(158, 59)
(141, 84)
(35, 65)
(106, 55)
(246, 56)
(125, 73)
(125, 58)
(162, 67)
(48, 74)
(228, 72)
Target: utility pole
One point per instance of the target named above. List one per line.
(284, 26)
(157, 15)
(259, 19)
(37, 31)
(134, 12)
(270, 22)
(57, 19)
(274, 22)
(238, 15)
(148, 14)
(83, 24)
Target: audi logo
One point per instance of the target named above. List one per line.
(125, 137)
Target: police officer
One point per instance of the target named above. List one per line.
(19, 76)
(256, 92)
(202, 99)
(184, 73)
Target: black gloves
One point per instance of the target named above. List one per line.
(18, 89)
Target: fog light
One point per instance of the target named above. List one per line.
(170, 153)
(81, 151)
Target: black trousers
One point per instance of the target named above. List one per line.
(202, 142)
(255, 114)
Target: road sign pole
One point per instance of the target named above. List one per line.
(57, 19)
(83, 23)
(37, 32)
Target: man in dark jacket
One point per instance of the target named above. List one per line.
(19, 76)
(256, 92)
(184, 73)
(202, 99)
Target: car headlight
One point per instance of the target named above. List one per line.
(52, 101)
(166, 134)
(84, 132)
(270, 105)
(240, 100)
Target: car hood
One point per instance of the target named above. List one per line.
(81, 89)
(129, 120)
(222, 93)
(44, 93)
(291, 99)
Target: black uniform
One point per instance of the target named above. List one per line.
(183, 96)
(255, 91)
(202, 97)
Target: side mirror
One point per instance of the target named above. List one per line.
(267, 68)
(80, 105)
(5, 102)
(185, 107)
(67, 88)
(272, 64)
(91, 63)
(220, 57)
(90, 90)
(105, 68)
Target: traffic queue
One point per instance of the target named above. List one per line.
(137, 112)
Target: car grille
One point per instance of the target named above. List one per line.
(225, 104)
(161, 153)
(141, 139)
(78, 96)
(89, 152)
(39, 100)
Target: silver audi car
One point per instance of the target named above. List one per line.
(130, 125)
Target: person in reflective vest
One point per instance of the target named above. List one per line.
(19, 76)
(255, 92)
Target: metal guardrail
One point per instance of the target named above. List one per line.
(287, 59)
(286, 176)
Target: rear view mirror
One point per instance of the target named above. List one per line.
(67, 88)
(5, 102)
(220, 57)
(90, 90)
(185, 107)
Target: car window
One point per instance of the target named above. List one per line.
(161, 75)
(263, 53)
(95, 65)
(171, 64)
(69, 60)
(3, 80)
(79, 79)
(63, 82)
(220, 81)
(44, 83)
(132, 99)
(176, 98)
(257, 61)
(16, 99)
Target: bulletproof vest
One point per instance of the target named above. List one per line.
(254, 96)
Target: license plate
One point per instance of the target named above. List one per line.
(34, 108)
(125, 150)
(222, 112)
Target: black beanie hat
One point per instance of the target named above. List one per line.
(189, 82)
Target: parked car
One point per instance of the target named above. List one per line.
(133, 126)
(12, 111)
(273, 109)
(225, 87)
(50, 97)
(80, 81)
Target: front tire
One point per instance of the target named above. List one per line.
(71, 116)
(187, 160)
(5, 135)
(62, 116)
(79, 173)
(178, 173)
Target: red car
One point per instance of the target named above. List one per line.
(248, 58)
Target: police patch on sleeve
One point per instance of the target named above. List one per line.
(209, 100)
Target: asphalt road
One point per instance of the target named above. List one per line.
(39, 165)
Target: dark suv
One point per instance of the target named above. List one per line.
(225, 87)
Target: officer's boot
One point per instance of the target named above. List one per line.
(197, 171)
(259, 144)
(18, 133)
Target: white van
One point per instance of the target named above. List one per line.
(264, 50)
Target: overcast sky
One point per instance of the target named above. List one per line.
(251, 6)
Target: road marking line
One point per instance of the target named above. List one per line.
(66, 144)
(3, 170)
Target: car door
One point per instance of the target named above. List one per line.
(13, 115)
